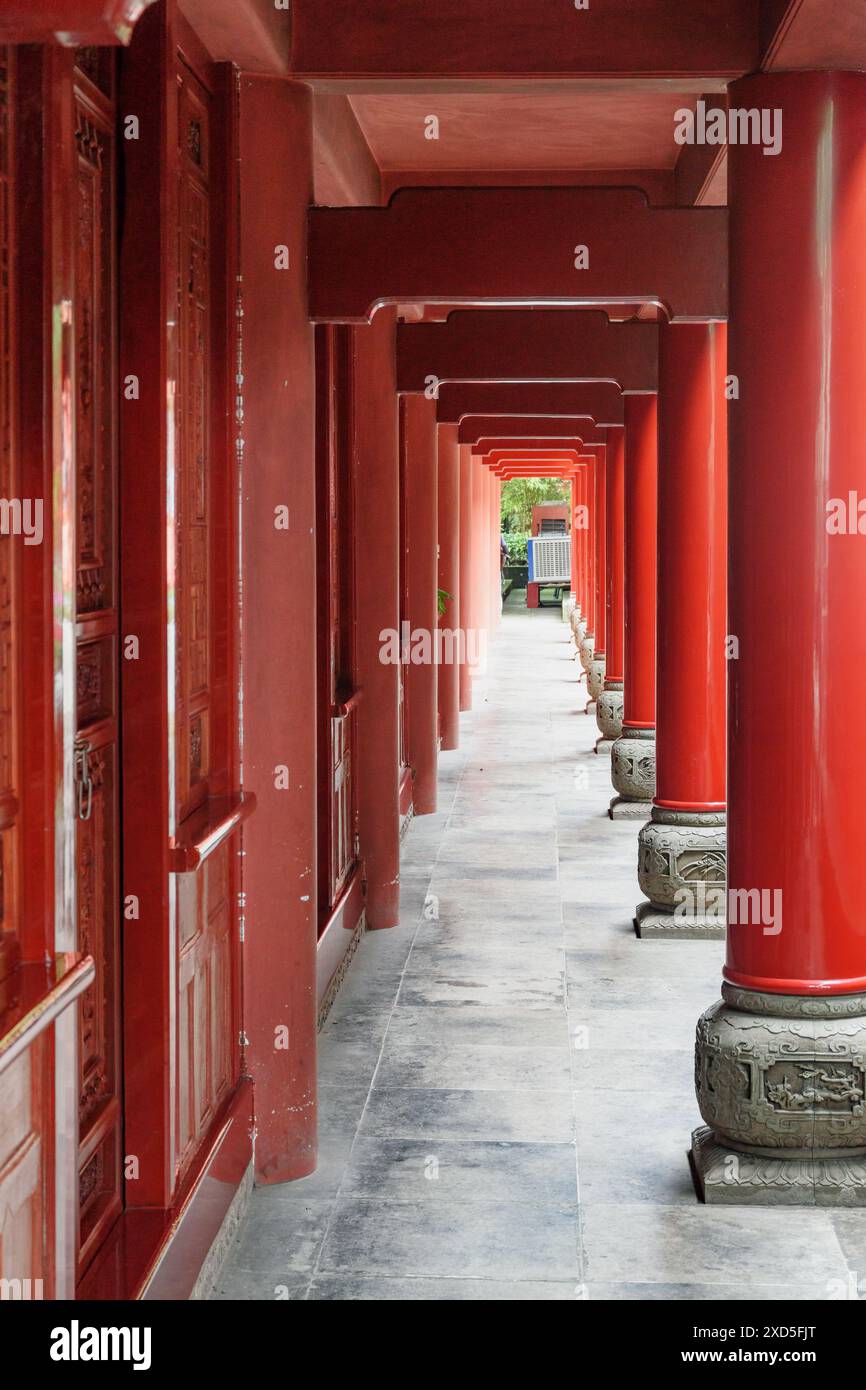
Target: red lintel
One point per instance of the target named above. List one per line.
(486, 38)
(579, 246)
(528, 345)
(546, 399)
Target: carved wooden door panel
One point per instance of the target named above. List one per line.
(205, 898)
(97, 637)
(24, 1181)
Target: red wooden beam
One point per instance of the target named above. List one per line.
(252, 34)
(547, 399)
(539, 445)
(518, 246)
(363, 38)
(524, 427)
(544, 463)
(564, 473)
(75, 23)
(527, 345)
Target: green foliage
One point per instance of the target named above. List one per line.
(442, 597)
(516, 543)
(520, 495)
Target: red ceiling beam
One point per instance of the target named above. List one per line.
(813, 35)
(514, 345)
(546, 399)
(252, 34)
(532, 461)
(525, 428)
(588, 437)
(74, 23)
(541, 470)
(521, 38)
(518, 246)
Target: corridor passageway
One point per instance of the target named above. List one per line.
(506, 1078)
(335, 963)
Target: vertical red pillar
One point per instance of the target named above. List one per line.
(377, 554)
(793, 1020)
(682, 848)
(279, 630)
(493, 552)
(484, 576)
(452, 581)
(573, 613)
(420, 444)
(596, 669)
(633, 754)
(465, 569)
(609, 707)
(495, 564)
(587, 641)
(578, 542)
(477, 638)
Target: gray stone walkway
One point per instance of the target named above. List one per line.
(506, 1078)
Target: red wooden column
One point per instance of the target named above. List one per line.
(596, 669)
(572, 597)
(587, 641)
(279, 629)
(452, 580)
(782, 1061)
(377, 554)
(495, 565)
(465, 569)
(484, 574)
(682, 848)
(578, 543)
(476, 638)
(608, 711)
(633, 754)
(420, 444)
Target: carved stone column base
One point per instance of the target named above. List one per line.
(595, 676)
(633, 765)
(781, 1083)
(622, 808)
(681, 868)
(608, 714)
(651, 922)
(603, 745)
(723, 1174)
(586, 649)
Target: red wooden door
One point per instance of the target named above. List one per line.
(335, 608)
(97, 636)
